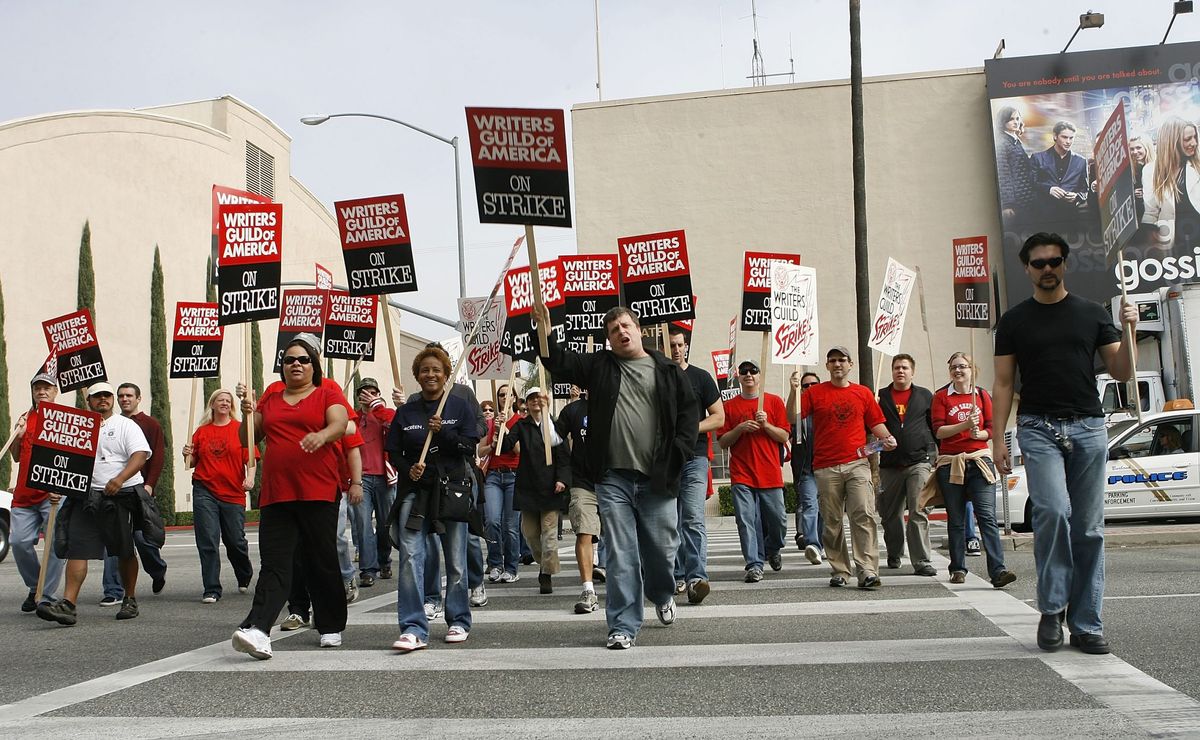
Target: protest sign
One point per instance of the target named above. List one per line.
(72, 338)
(972, 282)
(720, 360)
(324, 278)
(303, 311)
(63, 449)
(519, 339)
(793, 314)
(756, 288)
(484, 360)
(520, 161)
(223, 196)
(250, 241)
(376, 245)
(350, 326)
(655, 277)
(888, 325)
(453, 345)
(1115, 183)
(560, 391)
(589, 290)
(196, 345)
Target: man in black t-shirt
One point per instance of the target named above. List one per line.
(1052, 339)
(691, 561)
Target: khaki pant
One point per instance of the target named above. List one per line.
(541, 532)
(846, 488)
(901, 490)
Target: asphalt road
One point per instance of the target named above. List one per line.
(788, 656)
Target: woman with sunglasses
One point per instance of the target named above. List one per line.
(301, 425)
(962, 422)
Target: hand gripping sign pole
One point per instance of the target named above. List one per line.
(535, 282)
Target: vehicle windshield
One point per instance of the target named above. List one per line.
(1118, 427)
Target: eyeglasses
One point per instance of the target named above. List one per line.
(1053, 263)
(960, 367)
(806, 386)
(747, 371)
(293, 359)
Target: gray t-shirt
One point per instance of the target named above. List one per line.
(635, 420)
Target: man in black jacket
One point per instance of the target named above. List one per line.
(904, 470)
(642, 424)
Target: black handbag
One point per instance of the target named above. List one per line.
(455, 499)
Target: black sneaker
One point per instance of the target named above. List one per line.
(893, 563)
(800, 542)
(775, 561)
(129, 608)
(366, 580)
(1003, 578)
(598, 574)
(870, 582)
(837, 582)
(974, 549)
(544, 585)
(385, 572)
(156, 585)
(30, 603)
(61, 611)
(526, 560)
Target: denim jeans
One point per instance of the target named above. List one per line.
(26, 523)
(808, 512)
(1066, 491)
(215, 521)
(641, 530)
(502, 522)
(959, 497)
(374, 546)
(691, 559)
(433, 563)
(345, 561)
(969, 516)
(761, 522)
(152, 563)
(410, 578)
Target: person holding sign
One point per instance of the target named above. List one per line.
(753, 438)
(31, 508)
(642, 426)
(220, 480)
(842, 411)
(501, 520)
(301, 425)
(808, 513)
(431, 478)
(107, 519)
(1052, 338)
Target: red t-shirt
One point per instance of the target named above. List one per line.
(900, 398)
(754, 459)
(25, 497)
(349, 441)
(498, 461)
(290, 473)
(220, 461)
(955, 408)
(841, 417)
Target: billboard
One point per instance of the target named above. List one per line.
(1048, 113)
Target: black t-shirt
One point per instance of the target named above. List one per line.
(574, 418)
(1055, 346)
(707, 394)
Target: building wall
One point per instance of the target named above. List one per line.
(142, 178)
(769, 169)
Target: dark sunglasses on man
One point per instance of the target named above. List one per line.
(747, 370)
(1041, 264)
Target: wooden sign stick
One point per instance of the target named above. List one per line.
(248, 369)
(1125, 329)
(763, 358)
(391, 340)
(46, 545)
(191, 427)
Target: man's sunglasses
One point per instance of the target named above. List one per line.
(1041, 264)
(293, 359)
(747, 371)
(806, 386)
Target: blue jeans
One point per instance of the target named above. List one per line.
(152, 563)
(808, 512)
(1066, 491)
(761, 522)
(691, 559)
(959, 499)
(410, 579)
(345, 562)
(26, 523)
(502, 522)
(969, 517)
(641, 530)
(215, 521)
(433, 565)
(374, 546)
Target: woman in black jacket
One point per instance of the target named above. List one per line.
(540, 490)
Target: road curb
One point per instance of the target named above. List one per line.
(1158, 538)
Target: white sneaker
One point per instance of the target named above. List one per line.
(331, 639)
(209, 599)
(494, 574)
(457, 633)
(408, 642)
(252, 641)
(293, 622)
(479, 596)
(507, 577)
(433, 611)
(666, 612)
(813, 553)
(351, 591)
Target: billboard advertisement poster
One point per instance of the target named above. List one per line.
(1048, 113)
(63, 452)
(484, 359)
(520, 161)
(520, 338)
(794, 328)
(303, 311)
(756, 289)
(196, 344)
(72, 340)
(350, 326)
(888, 326)
(250, 242)
(375, 245)
(656, 278)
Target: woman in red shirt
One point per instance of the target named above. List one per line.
(299, 500)
(962, 422)
(219, 484)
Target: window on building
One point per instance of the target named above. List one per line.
(260, 171)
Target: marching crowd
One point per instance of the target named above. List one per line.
(440, 475)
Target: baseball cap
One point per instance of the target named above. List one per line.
(43, 377)
(313, 342)
(534, 391)
(837, 349)
(98, 388)
(750, 362)
(366, 383)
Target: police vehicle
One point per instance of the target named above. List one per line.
(1153, 472)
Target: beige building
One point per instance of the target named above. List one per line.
(143, 178)
(769, 169)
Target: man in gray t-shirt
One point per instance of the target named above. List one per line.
(634, 419)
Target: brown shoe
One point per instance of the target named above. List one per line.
(958, 577)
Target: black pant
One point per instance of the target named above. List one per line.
(298, 600)
(310, 528)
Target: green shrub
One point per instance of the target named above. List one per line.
(725, 499)
(184, 518)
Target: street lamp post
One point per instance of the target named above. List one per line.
(453, 142)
